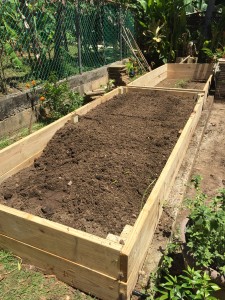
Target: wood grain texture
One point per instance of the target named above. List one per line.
(151, 78)
(83, 278)
(82, 248)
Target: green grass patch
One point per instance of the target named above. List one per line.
(19, 281)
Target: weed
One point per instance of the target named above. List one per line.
(110, 85)
(181, 83)
(145, 194)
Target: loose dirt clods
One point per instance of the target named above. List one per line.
(93, 175)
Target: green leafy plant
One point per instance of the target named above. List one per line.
(205, 231)
(185, 285)
(214, 55)
(192, 284)
(163, 23)
(181, 83)
(110, 85)
(132, 67)
(57, 100)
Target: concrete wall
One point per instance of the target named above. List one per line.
(16, 109)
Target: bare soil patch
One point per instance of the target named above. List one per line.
(181, 83)
(94, 175)
(210, 160)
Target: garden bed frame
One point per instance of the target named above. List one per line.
(106, 268)
(194, 72)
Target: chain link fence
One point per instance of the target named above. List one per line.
(64, 37)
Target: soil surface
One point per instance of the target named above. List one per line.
(181, 83)
(95, 175)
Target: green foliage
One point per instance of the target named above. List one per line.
(188, 285)
(64, 37)
(206, 228)
(193, 284)
(181, 83)
(164, 23)
(213, 55)
(57, 100)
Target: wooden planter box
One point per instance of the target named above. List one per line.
(106, 268)
(193, 72)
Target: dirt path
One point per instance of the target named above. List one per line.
(93, 175)
(210, 161)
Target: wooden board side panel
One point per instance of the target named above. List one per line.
(26, 163)
(85, 279)
(82, 248)
(86, 108)
(28, 146)
(151, 78)
(189, 71)
(206, 89)
(164, 91)
(137, 244)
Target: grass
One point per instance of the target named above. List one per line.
(20, 281)
(6, 141)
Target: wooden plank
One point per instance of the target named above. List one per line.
(94, 283)
(164, 91)
(86, 108)
(189, 71)
(206, 90)
(151, 78)
(26, 163)
(172, 89)
(23, 149)
(136, 246)
(82, 248)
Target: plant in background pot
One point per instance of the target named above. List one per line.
(204, 235)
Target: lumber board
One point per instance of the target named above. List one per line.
(26, 163)
(21, 150)
(206, 90)
(137, 243)
(91, 105)
(189, 71)
(82, 248)
(152, 78)
(163, 91)
(86, 279)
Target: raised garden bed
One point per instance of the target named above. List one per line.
(107, 163)
(189, 77)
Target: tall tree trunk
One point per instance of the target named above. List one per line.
(208, 17)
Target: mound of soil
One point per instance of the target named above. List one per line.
(95, 175)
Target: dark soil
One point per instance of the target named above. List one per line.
(181, 83)
(93, 175)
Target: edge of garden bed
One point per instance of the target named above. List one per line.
(104, 281)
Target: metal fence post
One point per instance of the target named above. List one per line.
(77, 13)
(121, 32)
